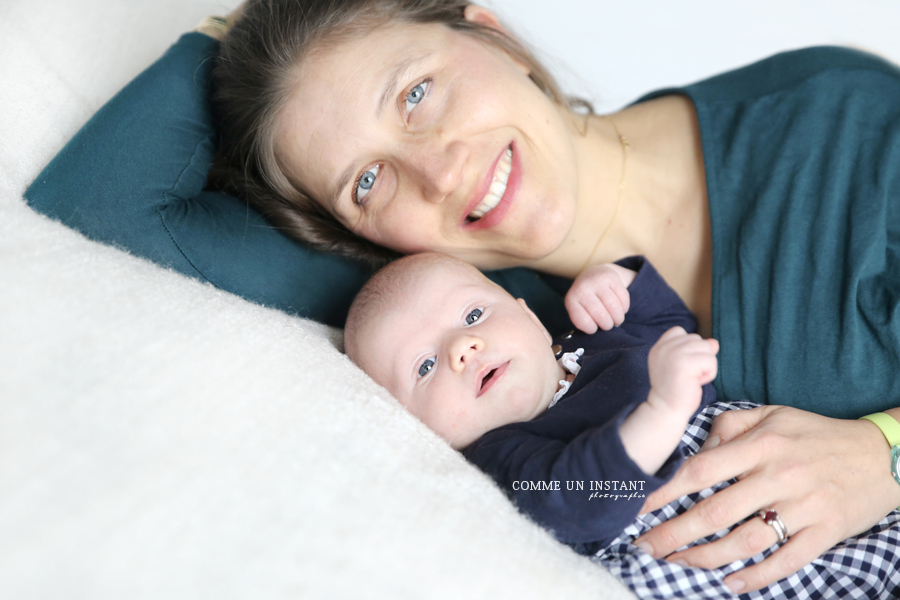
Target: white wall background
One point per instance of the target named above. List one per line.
(613, 52)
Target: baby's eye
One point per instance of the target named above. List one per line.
(473, 316)
(425, 367)
(415, 96)
(365, 183)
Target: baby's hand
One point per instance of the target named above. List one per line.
(599, 296)
(680, 363)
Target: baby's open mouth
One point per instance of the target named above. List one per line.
(487, 377)
(497, 189)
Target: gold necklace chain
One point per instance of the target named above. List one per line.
(625, 145)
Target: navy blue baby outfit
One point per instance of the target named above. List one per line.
(577, 440)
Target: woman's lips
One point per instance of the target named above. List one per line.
(489, 377)
(495, 215)
(499, 179)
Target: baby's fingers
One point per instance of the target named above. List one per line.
(580, 317)
(698, 345)
(599, 312)
(624, 297)
(671, 333)
(612, 302)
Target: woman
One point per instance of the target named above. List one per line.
(402, 126)
(390, 128)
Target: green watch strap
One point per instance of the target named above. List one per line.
(888, 426)
(891, 430)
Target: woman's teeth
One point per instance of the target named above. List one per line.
(498, 187)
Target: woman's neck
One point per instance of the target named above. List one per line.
(599, 157)
(663, 211)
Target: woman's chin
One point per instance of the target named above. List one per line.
(531, 250)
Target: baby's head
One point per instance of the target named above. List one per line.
(454, 348)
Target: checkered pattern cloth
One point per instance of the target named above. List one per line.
(865, 566)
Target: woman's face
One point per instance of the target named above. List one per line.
(418, 138)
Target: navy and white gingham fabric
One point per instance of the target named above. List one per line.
(865, 566)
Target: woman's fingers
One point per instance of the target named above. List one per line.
(799, 551)
(237, 12)
(735, 423)
(707, 468)
(825, 477)
(749, 539)
(713, 514)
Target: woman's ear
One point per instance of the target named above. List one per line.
(534, 318)
(483, 16)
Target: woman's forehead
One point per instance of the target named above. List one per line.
(340, 94)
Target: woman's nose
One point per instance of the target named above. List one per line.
(463, 350)
(439, 169)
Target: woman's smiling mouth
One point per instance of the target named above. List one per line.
(497, 189)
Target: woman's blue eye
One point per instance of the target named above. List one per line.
(473, 316)
(415, 95)
(425, 367)
(365, 183)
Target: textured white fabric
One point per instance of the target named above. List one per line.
(162, 439)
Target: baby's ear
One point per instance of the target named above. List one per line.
(534, 318)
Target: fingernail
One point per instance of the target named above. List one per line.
(680, 562)
(644, 547)
(711, 443)
(735, 585)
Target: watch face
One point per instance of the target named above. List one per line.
(895, 462)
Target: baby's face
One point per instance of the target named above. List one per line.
(460, 354)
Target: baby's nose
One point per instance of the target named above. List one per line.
(464, 349)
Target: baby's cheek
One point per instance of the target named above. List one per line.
(523, 404)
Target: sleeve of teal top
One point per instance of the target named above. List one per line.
(134, 175)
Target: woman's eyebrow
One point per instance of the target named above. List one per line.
(342, 183)
(396, 75)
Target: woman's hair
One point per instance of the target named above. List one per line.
(254, 77)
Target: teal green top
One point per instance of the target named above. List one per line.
(802, 157)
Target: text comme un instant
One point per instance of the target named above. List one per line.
(594, 486)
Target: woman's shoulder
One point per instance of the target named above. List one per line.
(795, 67)
(828, 65)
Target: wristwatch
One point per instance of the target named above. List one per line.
(891, 430)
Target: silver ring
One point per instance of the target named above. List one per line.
(770, 517)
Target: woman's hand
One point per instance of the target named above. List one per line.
(217, 32)
(599, 297)
(828, 479)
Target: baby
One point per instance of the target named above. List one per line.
(579, 453)
(477, 367)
